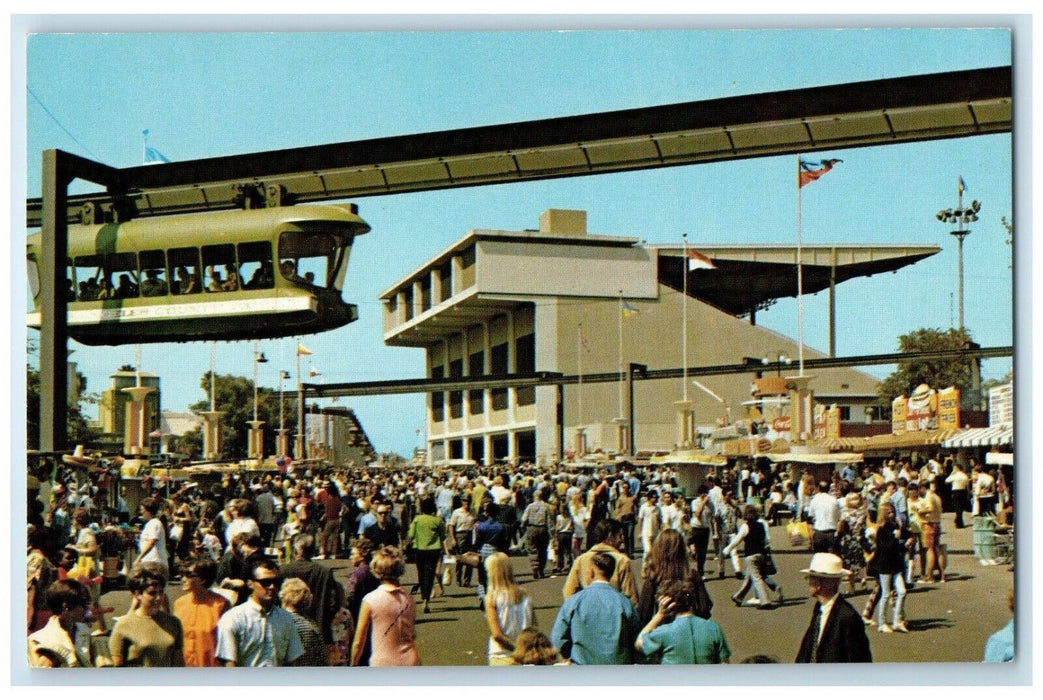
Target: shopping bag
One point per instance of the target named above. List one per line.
(799, 533)
(177, 530)
(552, 556)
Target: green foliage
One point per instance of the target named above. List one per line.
(191, 444)
(990, 383)
(938, 374)
(78, 431)
(235, 397)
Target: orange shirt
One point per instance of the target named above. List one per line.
(199, 621)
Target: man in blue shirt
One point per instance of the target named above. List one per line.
(259, 632)
(1000, 645)
(597, 625)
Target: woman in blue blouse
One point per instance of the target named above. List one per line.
(687, 639)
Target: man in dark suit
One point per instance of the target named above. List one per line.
(836, 633)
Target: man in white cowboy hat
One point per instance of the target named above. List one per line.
(836, 633)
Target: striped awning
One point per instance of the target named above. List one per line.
(1002, 434)
(918, 438)
(815, 458)
(842, 444)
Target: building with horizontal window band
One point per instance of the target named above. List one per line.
(501, 302)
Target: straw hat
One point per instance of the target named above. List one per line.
(79, 458)
(826, 565)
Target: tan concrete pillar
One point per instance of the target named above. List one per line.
(255, 440)
(801, 401)
(685, 424)
(282, 442)
(579, 442)
(134, 442)
(211, 434)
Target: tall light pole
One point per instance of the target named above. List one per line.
(283, 449)
(211, 418)
(256, 438)
(960, 216)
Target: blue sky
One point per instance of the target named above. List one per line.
(205, 95)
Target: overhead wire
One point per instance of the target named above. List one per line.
(59, 123)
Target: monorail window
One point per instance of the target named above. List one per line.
(33, 274)
(89, 272)
(255, 265)
(123, 268)
(184, 262)
(310, 257)
(70, 280)
(153, 273)
(219, 268)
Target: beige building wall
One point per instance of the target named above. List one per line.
(653, 337)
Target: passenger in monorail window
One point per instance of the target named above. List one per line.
(126, 289)
(105, 290)
(216, 283)
(257, 280)
(231, 283)
(153, 286)
(289, 271)
(186, 283)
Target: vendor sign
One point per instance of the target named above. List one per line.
(949, 408)
(898, 410)
(922, 409)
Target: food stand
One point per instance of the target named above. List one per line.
(691, 466)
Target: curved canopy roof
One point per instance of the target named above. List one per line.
(748, 277)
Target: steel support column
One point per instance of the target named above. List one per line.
(58, 170)
(54, 335)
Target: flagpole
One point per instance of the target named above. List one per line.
(213, 349)
(800, 276)
(621, 372)
(684, 319)
(579, 387)
(137, 382)
(299, 442)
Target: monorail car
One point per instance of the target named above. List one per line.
(230, 275)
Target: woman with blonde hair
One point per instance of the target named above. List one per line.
(850, 533)
(892, 542)
(295, 597)
(387, 616)
(580, 514)
(508, 609)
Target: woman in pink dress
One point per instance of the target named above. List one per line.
(387, 616)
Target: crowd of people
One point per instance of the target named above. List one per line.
(248, 552)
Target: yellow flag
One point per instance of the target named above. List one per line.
(301, 350)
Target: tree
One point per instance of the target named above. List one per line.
(78, 430)
(992, 383)
(235, 397)
(1009, 226)
(936, 373)
(190, 444)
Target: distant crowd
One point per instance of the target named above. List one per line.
(248, 553)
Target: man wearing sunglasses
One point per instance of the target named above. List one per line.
(259, 632)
